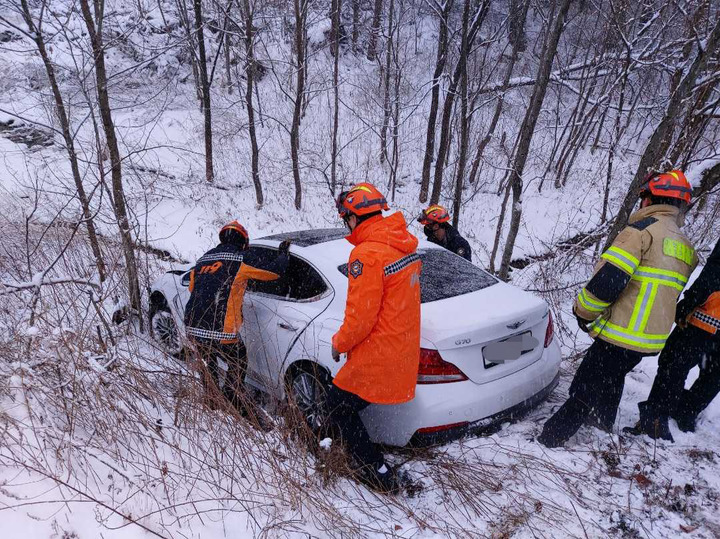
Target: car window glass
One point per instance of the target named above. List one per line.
(300, 281)
(446, 275)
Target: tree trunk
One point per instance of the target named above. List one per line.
(663, 134)
(386, 83)
(300, 7)
(516, 36)
(205, 87)
(435, 99)
(250, 78)
(336, 7)
(468, 38)
(355, 23)
(121, 213)
(501, 99)
(67, 137)
(375, 30)
(527, 130)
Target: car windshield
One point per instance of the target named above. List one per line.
(446, 275)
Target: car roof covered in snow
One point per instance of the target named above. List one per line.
(308, 238)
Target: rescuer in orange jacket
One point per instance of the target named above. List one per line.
(381, 330)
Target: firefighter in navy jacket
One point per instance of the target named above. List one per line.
(213, 314)
(438, 230)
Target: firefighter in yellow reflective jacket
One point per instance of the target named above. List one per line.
(628, 306)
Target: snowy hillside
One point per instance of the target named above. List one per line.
(102, 434)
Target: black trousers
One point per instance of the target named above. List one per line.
(595, 391)
(686, 348)
(235, 356)
(344, 417)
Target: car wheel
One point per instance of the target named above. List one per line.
(165, 330)
(307, 392)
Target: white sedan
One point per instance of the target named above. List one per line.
(487, 348)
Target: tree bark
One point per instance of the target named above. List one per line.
(375, 30)
(663, 134)
(435, 99)
(355, 23)
(300, 7)
(527, 130)
(250, 78)
(468, 38)
(501, 98)
(336, 7)
(64, 119)
(205, 87)
(94, 28)
(517, 37)
(386, 83)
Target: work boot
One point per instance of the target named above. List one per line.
(685, 421)
(381, 478)
(651, 423)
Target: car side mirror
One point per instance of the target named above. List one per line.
(185, 279)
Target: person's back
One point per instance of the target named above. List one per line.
(382, 336)
(381, 329)
(213, 313)
(628, 305)
(659, 259)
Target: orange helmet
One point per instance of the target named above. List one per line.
(234, 232)
(671, 184)
(363, 199)
(434, 214)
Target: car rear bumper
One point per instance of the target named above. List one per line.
(470, 407)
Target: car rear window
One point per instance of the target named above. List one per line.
(446, 275)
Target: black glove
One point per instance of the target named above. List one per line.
(582, 323)
(284, 247)
(682, 311)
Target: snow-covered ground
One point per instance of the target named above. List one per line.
(135, 455)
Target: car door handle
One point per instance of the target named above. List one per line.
(285, 325)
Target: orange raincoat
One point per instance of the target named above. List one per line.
(381, 330)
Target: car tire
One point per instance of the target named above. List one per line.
(164, 328)
(307, 389)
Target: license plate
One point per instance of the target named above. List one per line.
(509, 349)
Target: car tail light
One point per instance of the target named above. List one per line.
(435, 370)
(440, 428)
(550, 332)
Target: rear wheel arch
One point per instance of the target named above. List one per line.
(306, 365)
(158, 301)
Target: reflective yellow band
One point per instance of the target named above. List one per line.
(679, 250)
(592, 305)
(622, 259)
(660, 276)
(644, 341)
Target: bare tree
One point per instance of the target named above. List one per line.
(442, 49)
(387, 109)
(205, 87)
(375, 30)
(662, 135)
(64, 118)
(250, 67)
(300, 10)
(527, 130)
(94, 24)
(468, 38)
(521, 16)
(336, 8)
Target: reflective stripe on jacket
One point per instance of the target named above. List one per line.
(707, 316)
(381, 329)
(632, 296)
(703, 297)
(217, 289)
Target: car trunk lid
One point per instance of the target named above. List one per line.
(463, 327)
